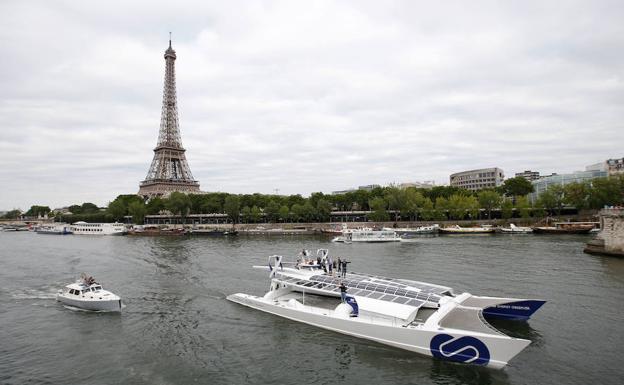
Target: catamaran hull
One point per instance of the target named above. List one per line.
(449, 344)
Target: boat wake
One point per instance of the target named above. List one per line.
(47, 293)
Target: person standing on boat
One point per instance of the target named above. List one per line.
(343, 292)
(339, 266)
(344, 268)
(330, 265)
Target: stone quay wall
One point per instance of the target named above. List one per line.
(610, 240)
(612, 225)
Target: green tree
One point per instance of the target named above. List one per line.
(295, 199)
(396, 199)
(441, 207)
(138, 211)
(460, 206)
(246, 214)
(179, 204)
(444, 192)
(507, 209)
(284, 213)
(297, 212)
(412, 203)
(272, 211)
(89, 208)
(361, 198)
(523, 206)
(256, 214)
(323, 210)
(36, 211)
(231, 207)
(456, 207)
(196, 203)
(472, 206)
(75, 209)
(552, 198)
(13, 214)
(607, 192)
(427, 211)
(339, 201)
(488, 200)
(315, 197)
(378, 207)
(576, 194)
(155, 206)
(517, 186)
(116, 209)
(211, 204)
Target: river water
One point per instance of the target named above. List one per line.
(178, 328)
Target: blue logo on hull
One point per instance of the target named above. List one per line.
(462, 349)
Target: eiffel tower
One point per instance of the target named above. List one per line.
(169, 170)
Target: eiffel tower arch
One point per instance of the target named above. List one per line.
(169, 170)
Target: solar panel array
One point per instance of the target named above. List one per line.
(423, 287)
(362, 289)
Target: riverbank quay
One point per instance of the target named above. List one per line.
(610, 240)
(330, 228)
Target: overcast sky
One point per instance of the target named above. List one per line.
(304, 96)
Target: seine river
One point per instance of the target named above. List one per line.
(178, 328)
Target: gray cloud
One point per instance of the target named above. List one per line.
(304, 96)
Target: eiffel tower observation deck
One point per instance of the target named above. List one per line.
(169, 170)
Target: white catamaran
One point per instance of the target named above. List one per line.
(417, 316)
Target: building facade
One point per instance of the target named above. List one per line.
(615, 166)
(475, 180)
(543, 183)
(529, 175)
(612, 167)
(428, 184)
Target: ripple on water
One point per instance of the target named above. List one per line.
(179, 328)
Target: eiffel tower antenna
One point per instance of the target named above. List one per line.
(169, 170)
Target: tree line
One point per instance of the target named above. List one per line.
(380, 203)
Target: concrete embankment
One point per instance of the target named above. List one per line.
(610, 240)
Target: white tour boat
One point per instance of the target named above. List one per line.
(407, 232)
(84, 228)
(56, 229)
(513, 229)
(416, 316)
(367, 235)
(466, 230)
(89, 295)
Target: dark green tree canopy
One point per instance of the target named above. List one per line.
(517, 186)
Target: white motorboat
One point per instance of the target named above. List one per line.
(423, 318)
(84, 228)
(89, 295)
(466, 230)
(513, 229)
(367, 235)
(56, 229)
(407, 232)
